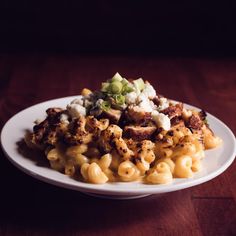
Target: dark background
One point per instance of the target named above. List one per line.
(52, 49)
(182, 28)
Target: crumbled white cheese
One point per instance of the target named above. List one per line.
(141, 97)
(155, 115)
(164, 103)
(144, 103)
(130, 98)
(75, 110)
(79, 100)
(149, 91)
(136, 108)
(64, 118)
(153, 105)
(161, 120)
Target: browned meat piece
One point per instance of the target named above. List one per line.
(203, 116)
(138, 115)
(93, 124)
(82, 138)
(138, 132)
(131, 143)
(76, 133)
(173, 111)
(44, 132)
(53, 111)
(194, 122)
(49, 130)
(176, 121)
(113, 115)
(39, 130)
(55, 133)
(51, 137)
(179, 126)
(156, 100)
(106, 140)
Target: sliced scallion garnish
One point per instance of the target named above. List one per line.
(105, 106)
(116, 87)
(124, 81)
(119, 99)
(127, 89)
(116, 77)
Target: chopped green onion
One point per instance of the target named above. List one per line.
(116, 87)
(139, 84)
(119, 99)
(125, 81)
(127, 89)
(105, 106)
(105, 87)
(116, 77)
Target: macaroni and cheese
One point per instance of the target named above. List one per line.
(124, 132)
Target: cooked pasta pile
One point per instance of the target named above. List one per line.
(124, 132)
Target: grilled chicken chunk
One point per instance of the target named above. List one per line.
(48, 131)
(173, 111)
(139, 132)
(112, 114)
(138, 115)
(194, 122)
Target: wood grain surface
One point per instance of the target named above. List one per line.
(31, 207)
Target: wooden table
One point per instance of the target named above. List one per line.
(31, 207)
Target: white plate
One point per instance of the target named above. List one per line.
(216, 161)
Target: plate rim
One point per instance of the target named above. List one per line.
(94, 188)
